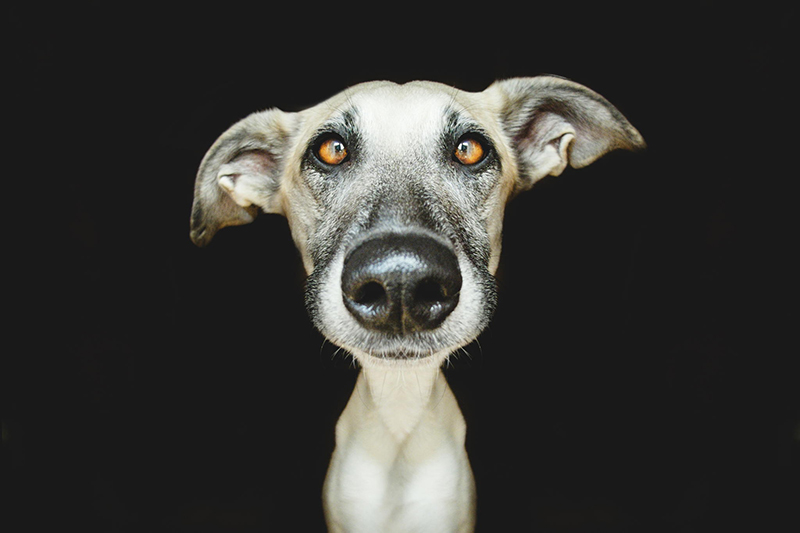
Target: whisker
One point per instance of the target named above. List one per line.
(464, 350)
(322, 345)
(447, 362)
(338, 351)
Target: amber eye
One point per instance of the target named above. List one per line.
(332, 151)
(469, 151)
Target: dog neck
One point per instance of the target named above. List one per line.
(400, 396)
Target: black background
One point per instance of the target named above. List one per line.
(635, 377)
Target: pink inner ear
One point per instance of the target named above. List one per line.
(257, 162)
(545, 128)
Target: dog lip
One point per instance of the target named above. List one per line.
(403, 346)
(402, 356)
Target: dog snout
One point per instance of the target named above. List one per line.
(401, 283)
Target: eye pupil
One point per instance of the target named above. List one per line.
(332, 151)
(469, 151)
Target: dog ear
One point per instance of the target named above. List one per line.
(553, 122)
(240, 174)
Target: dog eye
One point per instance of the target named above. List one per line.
(332, 151)
(469, 151)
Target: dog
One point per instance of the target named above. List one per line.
(395, 197)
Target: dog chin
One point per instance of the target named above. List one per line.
(400, 357)
(429, 348)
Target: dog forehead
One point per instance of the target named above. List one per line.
(388, 115)
(397, 114)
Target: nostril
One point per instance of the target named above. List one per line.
(370, 302)
(431, 291)
(433, 299)
(370, 294)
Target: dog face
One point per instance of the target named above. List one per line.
(395, 197)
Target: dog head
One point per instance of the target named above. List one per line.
(395, 197)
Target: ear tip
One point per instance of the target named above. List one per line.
(201, 236)
(201, 231)
(628, 137)
(637, 141)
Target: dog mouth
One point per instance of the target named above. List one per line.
(420, 347)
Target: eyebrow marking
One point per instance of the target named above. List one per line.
(456, 125)
(345, 125)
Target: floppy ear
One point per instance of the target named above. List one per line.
(553, 122)
(240, 174)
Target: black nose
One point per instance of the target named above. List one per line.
(401, 283)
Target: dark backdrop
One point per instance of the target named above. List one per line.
(635, 378)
